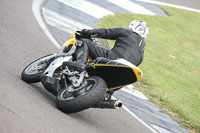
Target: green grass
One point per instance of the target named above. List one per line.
(172, 83)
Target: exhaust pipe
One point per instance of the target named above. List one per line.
(109, 104)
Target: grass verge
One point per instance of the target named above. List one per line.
(171, 64)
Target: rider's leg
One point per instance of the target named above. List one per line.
(80, 56)
(96, 51)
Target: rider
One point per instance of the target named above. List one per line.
(129, 44)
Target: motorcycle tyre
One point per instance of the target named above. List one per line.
(85, 101)
(32, 78)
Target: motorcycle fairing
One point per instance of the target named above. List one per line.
(116, 73)
(64, 54)
(71, 41)
(55, 64)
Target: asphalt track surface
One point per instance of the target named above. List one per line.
(28, 107)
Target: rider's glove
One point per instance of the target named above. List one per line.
(84, 33)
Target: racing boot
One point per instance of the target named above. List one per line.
(81, 57)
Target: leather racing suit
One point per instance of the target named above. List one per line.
(128, 45)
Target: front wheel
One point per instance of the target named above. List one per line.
(85, 98)
(32, 72)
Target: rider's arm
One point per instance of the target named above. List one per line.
(112, 34)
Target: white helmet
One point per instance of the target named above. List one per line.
(139, 27)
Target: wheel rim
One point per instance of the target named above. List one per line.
(65, 95)
(36, 67)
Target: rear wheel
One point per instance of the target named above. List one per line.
(32, 72)
(85, 98)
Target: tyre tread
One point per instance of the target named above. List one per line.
(85, 101)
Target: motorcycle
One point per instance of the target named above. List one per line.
(76, 91)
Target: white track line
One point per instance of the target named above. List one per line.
(130, 90)
(87, 7)
(61, 22)
(140, 120)
(132, 7)
(170, 5)
(36, 4)
(137, 118)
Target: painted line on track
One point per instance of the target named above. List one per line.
(130, 90)
(128, 5)
(62, 22)
(137, 118)
(36, 4)
(140, 120)
(87, 7)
